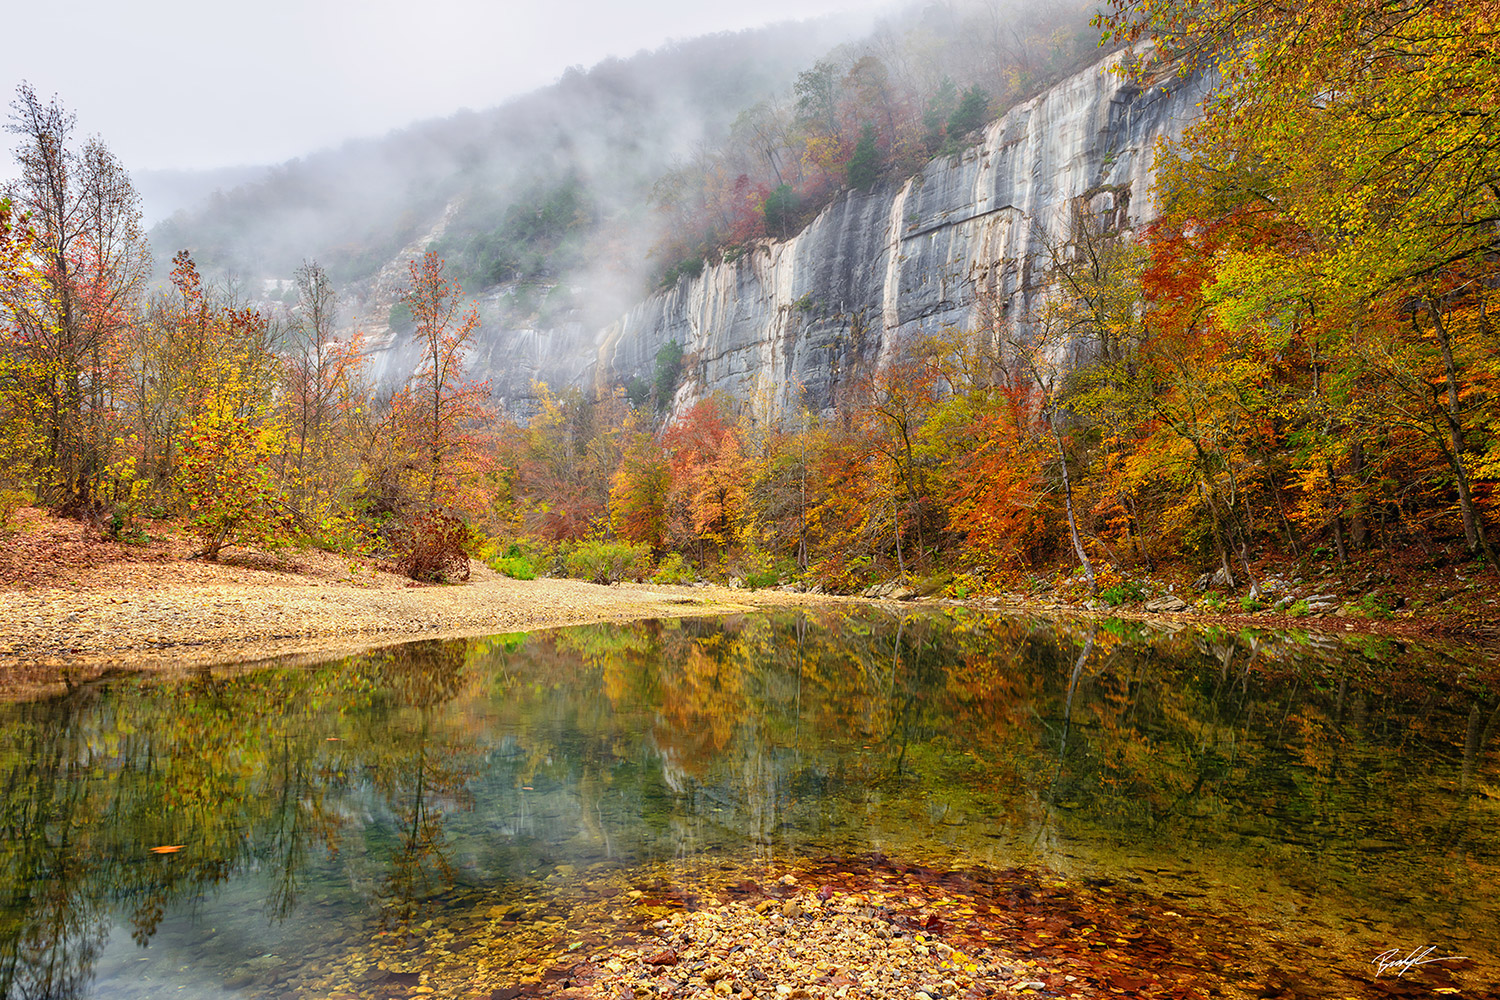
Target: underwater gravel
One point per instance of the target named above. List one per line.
(811, 945)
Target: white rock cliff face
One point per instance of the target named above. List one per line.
(791, 323)
(785, 325)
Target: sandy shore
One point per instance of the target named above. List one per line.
(189, 615)
(73, 607)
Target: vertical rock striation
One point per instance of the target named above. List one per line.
(788, 323)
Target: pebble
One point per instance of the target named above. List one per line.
(813, 947)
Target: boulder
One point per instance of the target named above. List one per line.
(1217, 580)
(1166, 604)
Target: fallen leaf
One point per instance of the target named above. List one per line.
(168, 849)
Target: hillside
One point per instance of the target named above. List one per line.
(612, 130)
(563, 209)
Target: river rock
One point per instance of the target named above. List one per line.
(1166, 604)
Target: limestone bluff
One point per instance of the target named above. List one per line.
(789, 322)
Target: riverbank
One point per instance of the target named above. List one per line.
(74, 607)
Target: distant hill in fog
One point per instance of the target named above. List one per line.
(562, 208)
(166, 192)
(614, 129)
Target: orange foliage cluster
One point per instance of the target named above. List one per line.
(908, 476)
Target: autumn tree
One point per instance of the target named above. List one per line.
(323, 388)
(898, 399)
(20, 443)
(226, 443)
(93, 256)
(705, 501)
(989, 449)
(440, 407)
(783, 491)
(559, 468)
(640, 487)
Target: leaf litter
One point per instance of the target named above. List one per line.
(849, 928)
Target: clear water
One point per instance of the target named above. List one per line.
(472, 811)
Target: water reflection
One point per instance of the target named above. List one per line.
(316, 810)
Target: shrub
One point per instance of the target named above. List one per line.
(515, 567)
(430, 545)
(758, 568)
(1299, 609)
(124, 499)
(512, 561)
(673, 569)
(1372, 605)
(1249, 604)
(345, 533)
(1126, 591)
(607, 562)
(961, 586)
(757, 578)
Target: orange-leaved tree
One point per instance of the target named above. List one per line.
(640, 487)
(441, 410)
(430, 465)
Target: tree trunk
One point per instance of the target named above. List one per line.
(1213, 523)
(1062, 458)
(1474, 535)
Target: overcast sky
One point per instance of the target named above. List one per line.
(179, 84)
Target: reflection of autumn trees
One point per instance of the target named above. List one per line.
(420, 767)
(1218, 741)
(51, 928)
(769, 722)
(400, 767)
(93, 781)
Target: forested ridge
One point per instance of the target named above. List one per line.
(568, 204)
(1294, 360)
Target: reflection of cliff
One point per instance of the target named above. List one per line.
(393, 775)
